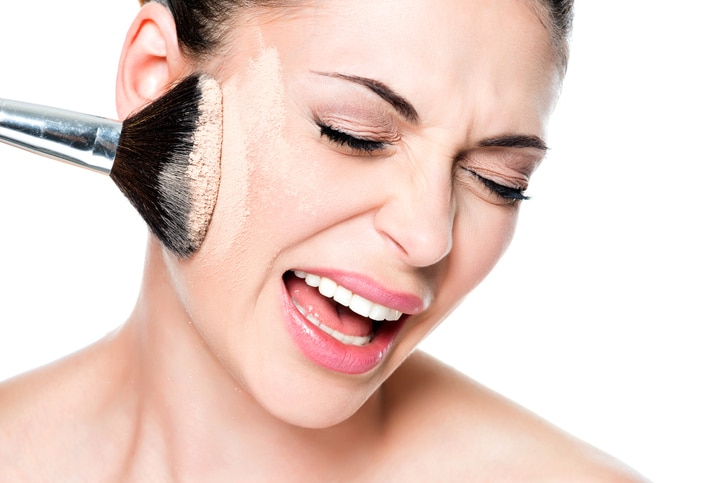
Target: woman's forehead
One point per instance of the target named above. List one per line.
(473, 51)
(423, 27)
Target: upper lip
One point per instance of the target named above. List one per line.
(364, 286)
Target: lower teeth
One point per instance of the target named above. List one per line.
(343, 338)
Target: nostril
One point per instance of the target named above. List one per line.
(395, 243)
(419, 245)
(420, 242)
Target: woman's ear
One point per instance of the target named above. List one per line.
(151, 59)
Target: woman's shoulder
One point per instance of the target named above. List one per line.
(461, 427)
(49, 420)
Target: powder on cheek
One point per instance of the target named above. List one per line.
(205, 168)
(253, 147)
(274, 159)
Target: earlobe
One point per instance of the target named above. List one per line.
(150, 60)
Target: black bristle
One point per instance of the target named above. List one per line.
(152, 160)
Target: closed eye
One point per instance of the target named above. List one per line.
(504, 192)
(347, 140)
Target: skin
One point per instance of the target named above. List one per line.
(203, 382)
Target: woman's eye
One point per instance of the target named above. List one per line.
(346, 140)
(504, 192)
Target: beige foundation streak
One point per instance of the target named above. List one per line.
(205, 168)
(254, 122)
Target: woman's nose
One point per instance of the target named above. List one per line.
(417, 218)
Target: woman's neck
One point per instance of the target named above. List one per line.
(194, 417)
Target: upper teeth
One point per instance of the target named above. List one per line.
(346, 297)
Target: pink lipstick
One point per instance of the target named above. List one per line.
(342, 321)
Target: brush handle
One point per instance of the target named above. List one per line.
(80, 139)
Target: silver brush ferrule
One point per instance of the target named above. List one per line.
(80, 139)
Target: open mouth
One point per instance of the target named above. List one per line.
(344, 321)
(337, 311)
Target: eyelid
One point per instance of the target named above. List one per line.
(505, 192)
(380, 91)
(509, 169)
(518, 162)
(505, 183)
(351, 142)
(512, 181)
(380, 128)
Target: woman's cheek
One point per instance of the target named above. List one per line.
(481, 235)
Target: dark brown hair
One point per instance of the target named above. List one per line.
(202, 24)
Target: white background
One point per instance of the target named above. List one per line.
(605, 315)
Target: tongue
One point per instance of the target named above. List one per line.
(327, 311)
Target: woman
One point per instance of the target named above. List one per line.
(375, 155)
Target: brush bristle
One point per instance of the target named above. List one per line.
(168, 162)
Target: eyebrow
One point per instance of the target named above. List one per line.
(406, 109)
(514, 141)
(401, 105)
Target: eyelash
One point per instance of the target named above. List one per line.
(368, 146)
(343, 139)
(505, 192)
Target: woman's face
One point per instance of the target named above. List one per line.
(377, 147)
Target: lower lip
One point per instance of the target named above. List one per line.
(328, 352)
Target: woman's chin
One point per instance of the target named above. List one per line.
(318, 411)
(306, 396)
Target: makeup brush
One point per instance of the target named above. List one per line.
(165, 158)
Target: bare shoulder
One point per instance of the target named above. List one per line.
(468, 431)
(30, 409)
(47, 416)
